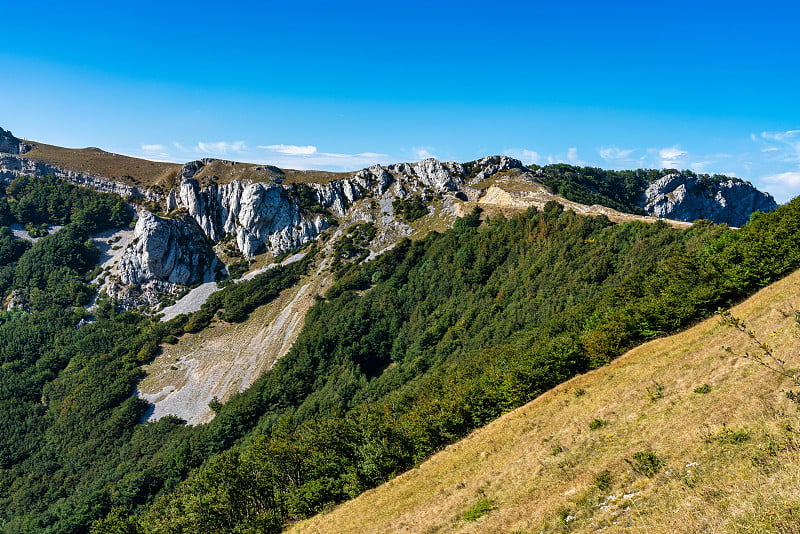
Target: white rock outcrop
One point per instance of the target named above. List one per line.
(11, 145)
(687, 198)
(164, 256)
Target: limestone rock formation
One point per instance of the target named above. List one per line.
(11, 145)
(687, 198)
(272, 216)
(164, 256)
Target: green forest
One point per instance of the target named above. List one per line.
(621, 190)
(404, 354)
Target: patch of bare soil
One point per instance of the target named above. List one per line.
(226, 358)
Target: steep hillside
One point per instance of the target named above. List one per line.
(719, 437)
(226, 358)
(408, 344)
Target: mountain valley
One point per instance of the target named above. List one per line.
(249, 346)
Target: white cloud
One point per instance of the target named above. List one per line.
(306, 157)
(784, 186)
(291, 150)
(530, 157)
(790, 179)
(700, 166)
(153, 151)
(615, 153)
(784, 136)
(221, 147)
(672, 157)
(572, 154)
(573, 158)
(781, 146)
(423, 152)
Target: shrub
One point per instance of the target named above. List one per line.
(728, 436)
(655, 392)
(594, 424)
(479, 509)
(705, 388)
(603, 480)
(646, 463)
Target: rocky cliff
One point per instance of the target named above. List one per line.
(273, 214)
(11, 145)
(13, 166)
(275, 217)
(687, 198)
(165, 256)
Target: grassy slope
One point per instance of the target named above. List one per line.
(144, 173)
(132, 171)
(539, 463)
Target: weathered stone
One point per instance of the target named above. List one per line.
(687, 198)
(11, 145)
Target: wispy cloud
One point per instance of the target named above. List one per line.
(212, 148)
(423, 152)
(615, 153)
(291, 150)
(672, 157)
(529, 157)
(309, 157)
(621, 157)
(790, 179)
(154, 151)
(783, 185)
(573, 157)
(781, 145)
(785, 136)
(221, 147)
(778, 163)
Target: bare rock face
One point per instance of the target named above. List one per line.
(165, 256)
(491, 165)
(270, 216)
(687, 198)
(11, 145)
(260, 215)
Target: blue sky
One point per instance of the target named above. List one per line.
(711, 87)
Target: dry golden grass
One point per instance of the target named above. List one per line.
(221, 171)
(540, 463)
(132, 171)
(144, 173)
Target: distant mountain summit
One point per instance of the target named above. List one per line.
(687, 198)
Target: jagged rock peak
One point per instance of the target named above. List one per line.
(483, 168)
(11, 145)
(441, 176)
(687, 198)
(169, 250)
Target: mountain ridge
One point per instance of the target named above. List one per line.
(462, 317)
